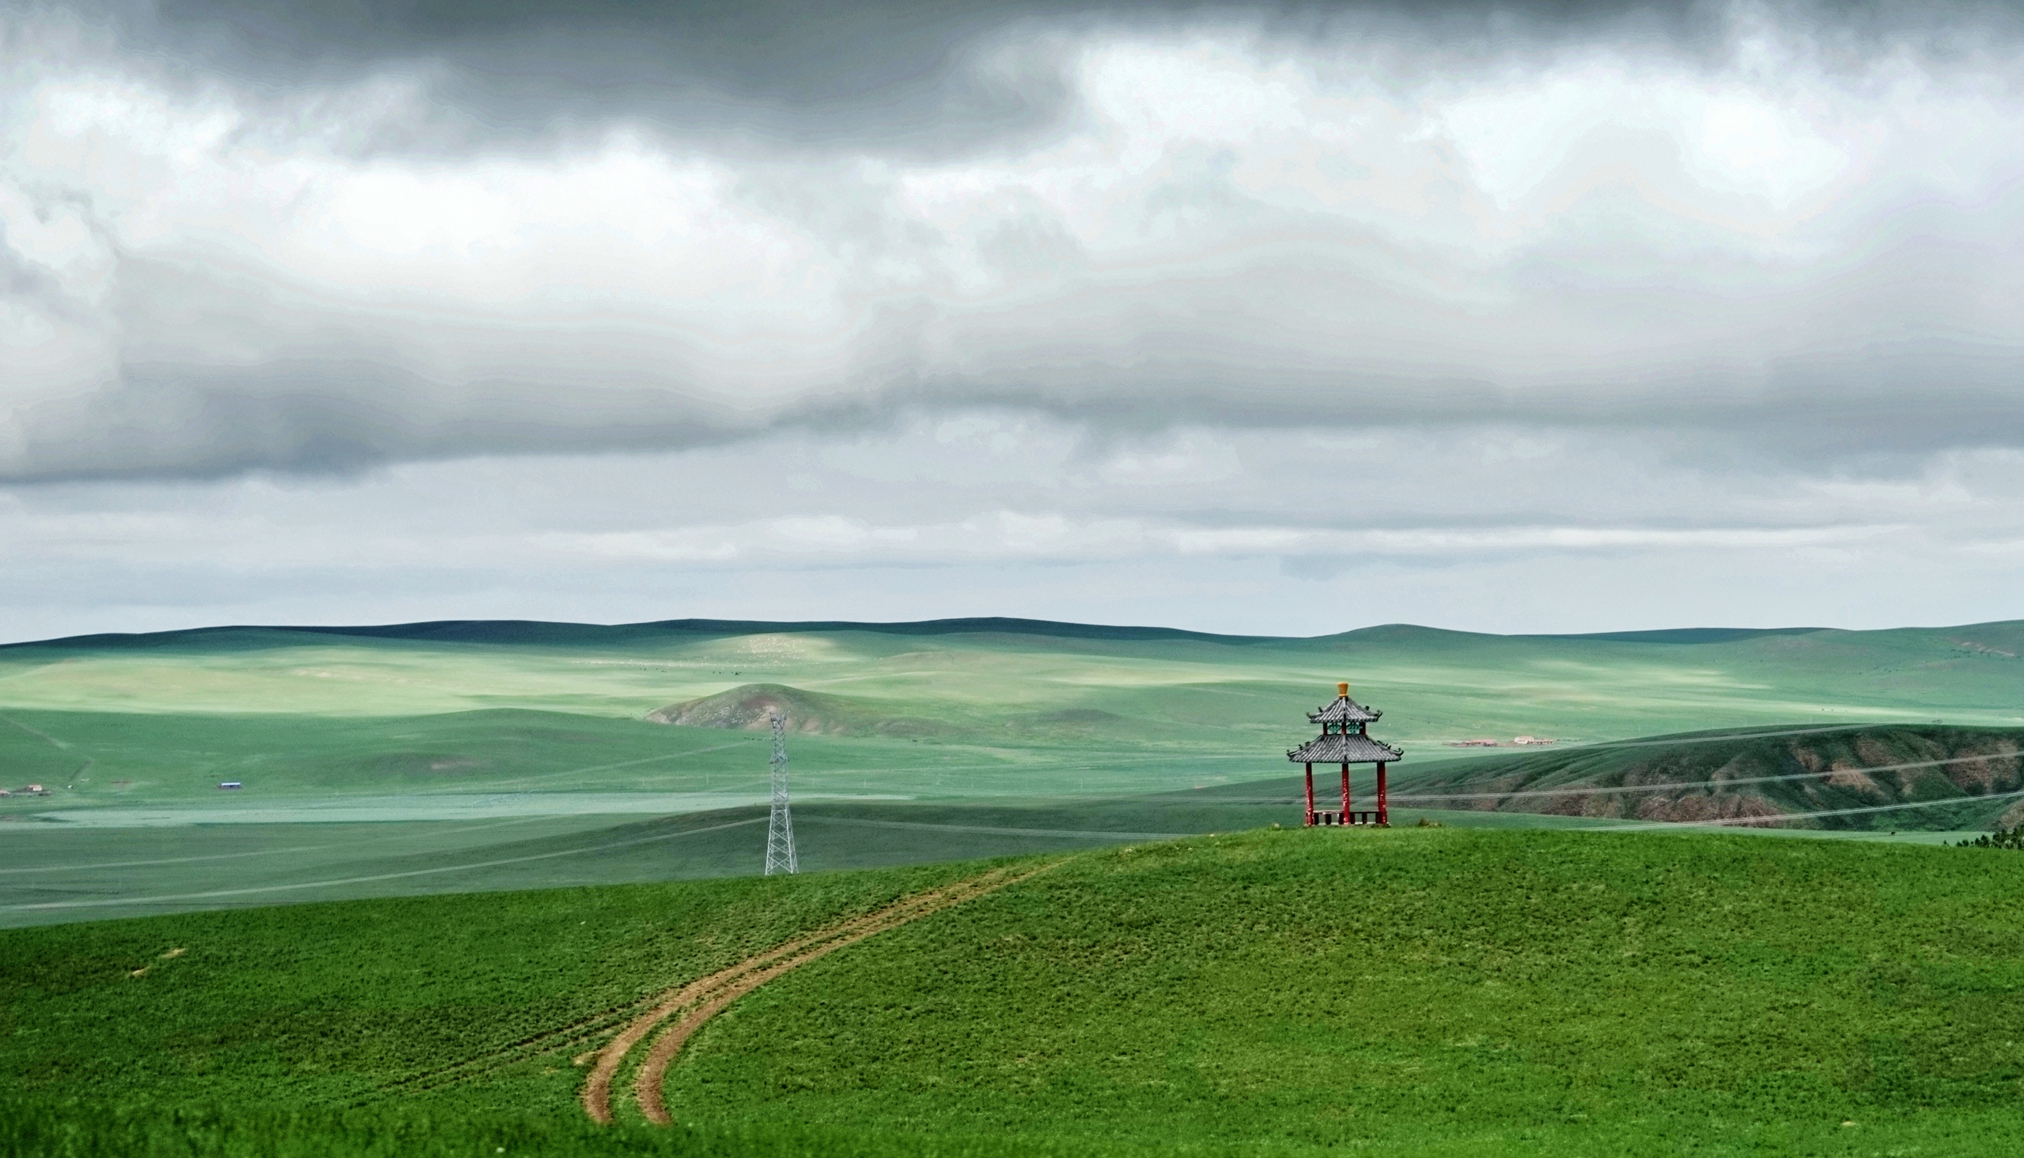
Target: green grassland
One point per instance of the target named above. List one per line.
(1011, 679)
(298, 713)
(444, 757)
(1409, 991)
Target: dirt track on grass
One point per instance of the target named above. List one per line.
(695, 1003)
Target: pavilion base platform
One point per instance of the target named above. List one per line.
(1323, 819)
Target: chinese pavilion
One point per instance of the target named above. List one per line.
(1342, 741)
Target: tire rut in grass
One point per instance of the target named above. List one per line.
(700, 1000)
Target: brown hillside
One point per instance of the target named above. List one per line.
(750, 707)
(1876, 776)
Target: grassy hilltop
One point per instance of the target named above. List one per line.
(1412, 991)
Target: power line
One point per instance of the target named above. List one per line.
(292, 849)
(1711, 738)
(116, 901)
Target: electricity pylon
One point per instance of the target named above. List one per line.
(780, 856)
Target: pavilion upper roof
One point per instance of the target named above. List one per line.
(1344, 711)
(1344, 747)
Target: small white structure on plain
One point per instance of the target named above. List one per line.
(780, 856)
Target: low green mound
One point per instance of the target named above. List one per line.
(1419, 991)
(1412, 991)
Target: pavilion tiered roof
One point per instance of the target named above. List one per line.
(1341, 747)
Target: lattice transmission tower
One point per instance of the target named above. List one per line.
(780, 856)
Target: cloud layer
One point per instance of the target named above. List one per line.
(447, 237)
(1246, 531)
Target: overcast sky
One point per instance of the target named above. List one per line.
(1272, 318)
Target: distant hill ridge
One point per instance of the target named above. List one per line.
(557, 634)
(539, 632)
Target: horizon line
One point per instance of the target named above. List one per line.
(528, 631)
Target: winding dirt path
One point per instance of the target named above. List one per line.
(695, 1003)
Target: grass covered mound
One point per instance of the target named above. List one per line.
(1421, 991)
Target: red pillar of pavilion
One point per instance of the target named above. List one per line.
(1310, 795)
(1382, 817)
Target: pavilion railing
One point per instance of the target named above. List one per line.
(1354, 817)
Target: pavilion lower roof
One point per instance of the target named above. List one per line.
(1340, 748)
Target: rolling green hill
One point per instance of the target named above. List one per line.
(1439, 685)
(1411, 991)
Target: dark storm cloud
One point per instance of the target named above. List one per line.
(912, 75)
(331, 416)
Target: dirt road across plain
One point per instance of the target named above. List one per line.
(695, 1003)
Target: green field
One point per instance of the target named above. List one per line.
(1427, 991)
(450, 757)
(364, 949)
